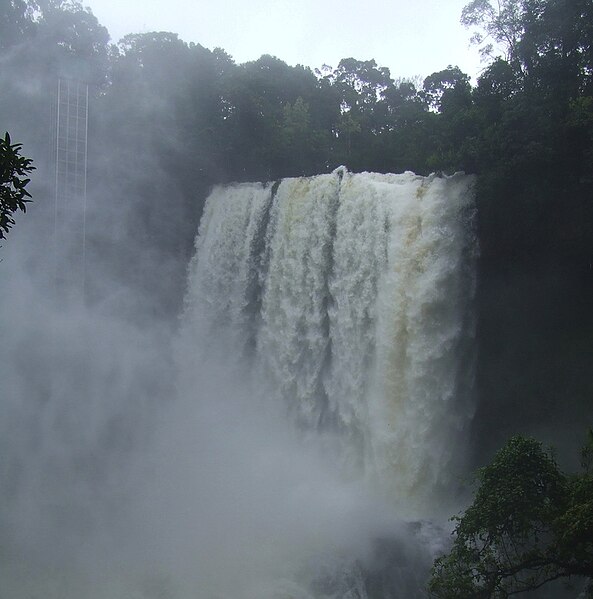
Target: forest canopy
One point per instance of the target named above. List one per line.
(162, 106)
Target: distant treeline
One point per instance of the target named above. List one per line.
(171, 118)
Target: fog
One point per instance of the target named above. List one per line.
(134, 465)
(137, 462)
(147, 450)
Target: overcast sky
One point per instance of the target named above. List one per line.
(411, 38)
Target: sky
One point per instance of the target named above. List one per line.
(413, 39)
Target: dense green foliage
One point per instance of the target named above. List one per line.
(526, 128)
(529, 524)
(170, 119)
(14, 169)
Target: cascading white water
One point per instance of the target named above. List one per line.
(350, 295)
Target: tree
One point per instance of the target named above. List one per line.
(54, 37)
(362, 90)
(16, 22)
(256, 124)
(529, 524)
(499, 25)
(448, 89)
(13, 171)
(541, 39)
(298, 145)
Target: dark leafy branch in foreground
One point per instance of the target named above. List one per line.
(529, 524)
(14, 169)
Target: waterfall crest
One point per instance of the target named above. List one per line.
(350, 297)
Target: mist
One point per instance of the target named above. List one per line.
(139, 459)
(141, 454)
(239, 369)
(134, 464)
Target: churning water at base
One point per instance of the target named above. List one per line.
(349, 296)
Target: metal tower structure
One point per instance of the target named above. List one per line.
(71, 107)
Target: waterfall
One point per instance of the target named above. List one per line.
(350, 297)
(301, 433)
